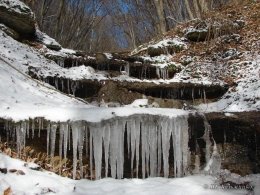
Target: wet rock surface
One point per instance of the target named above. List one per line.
(237, 136)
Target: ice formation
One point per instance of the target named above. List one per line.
(162, 73)
(213, 160)
(148, 137)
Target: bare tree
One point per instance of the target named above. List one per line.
(162, 23)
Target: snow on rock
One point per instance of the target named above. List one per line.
(176, 41)
(108, 55)
(139, 103)
(16, 6)
(167, 46)
(27, 59)
(23, 22)
(68, 51)
(51, 43)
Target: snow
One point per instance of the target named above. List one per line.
(41, 182)
(50, 41)
(16, 6)
(176, 41)
(68, 51)
(23, 98)
(108, 55)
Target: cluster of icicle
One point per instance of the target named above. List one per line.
(71, 85)
(152, 133)
(148, 137)
(162, 73)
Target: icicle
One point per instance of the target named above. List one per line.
(72, 63)
(180, 144)
(61, 62)
(48, 138)
(166, 129)
(78, 136)
(159, 140)
(114, 139)
(56, 80)
(131, 127)
(158, 72)
(91, 151)
(75, 137)
(53, 139)
(129, 134)
(73, 87)
(97, 132)
(19, 138)
(120, 158)
(176, 147)
(86, 138)
(204, 96)
(80, 147)
(206, 138)
(137, 143)
(65, 145)
(7, 129)
(61, 141)
(164, 73)
(23, 133)
(145, 149)
(185, 146)
(106, 140)
(127, 69)
(152, 146)
(77, 63)
(40, 122)
(28, 128)
(69, 137)
(213, 162)
(68, 86)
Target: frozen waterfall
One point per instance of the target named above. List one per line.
(146, 135)
(149, 142)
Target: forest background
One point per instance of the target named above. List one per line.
(115, 25)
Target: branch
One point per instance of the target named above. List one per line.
(175, 20)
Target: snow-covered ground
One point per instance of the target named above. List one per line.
(44, 182)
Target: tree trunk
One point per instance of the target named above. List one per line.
(196, 8)
(162, 23)
(58, 20)
(188, 8)
(204, 6)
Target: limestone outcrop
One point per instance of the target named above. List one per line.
(17, 16)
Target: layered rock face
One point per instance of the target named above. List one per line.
(18, 17)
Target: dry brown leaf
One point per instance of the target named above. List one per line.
(13, 170)
(20, 172)
(8, 191)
